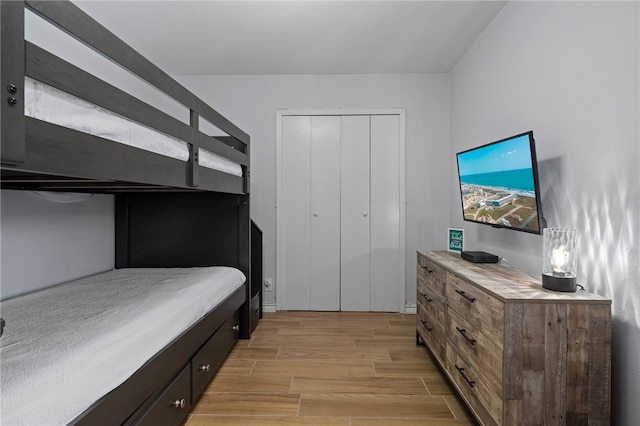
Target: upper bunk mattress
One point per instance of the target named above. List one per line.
(67, 346)
(57, 107)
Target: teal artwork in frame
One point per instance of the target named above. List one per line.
(456, 240)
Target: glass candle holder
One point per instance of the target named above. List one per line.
(559, 259)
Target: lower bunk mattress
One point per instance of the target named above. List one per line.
(65, 347)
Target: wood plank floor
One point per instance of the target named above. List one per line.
(330, 368)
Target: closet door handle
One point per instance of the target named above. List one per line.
(365, 214)
(316, 214)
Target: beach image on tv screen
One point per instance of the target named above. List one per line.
(497, 184)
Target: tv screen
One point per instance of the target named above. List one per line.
(499, 184)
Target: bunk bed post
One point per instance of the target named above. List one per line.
(244, 261)
(12, 132)
(194, 150)
(244, 255)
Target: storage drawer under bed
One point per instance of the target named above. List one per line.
(175, 402)
(210, 357)
(173, 405)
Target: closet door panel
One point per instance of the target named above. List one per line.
(295, 201)
(325, 213)
(385, 213)
(355, 213)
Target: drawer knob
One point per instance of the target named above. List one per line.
(178, 403)
(470, 382)
(235, 328)
(466, 296)
(469, 340)
(204, 368)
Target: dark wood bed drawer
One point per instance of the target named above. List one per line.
(208, 360)
(173, 405)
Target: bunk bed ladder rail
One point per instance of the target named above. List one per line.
(70, 79)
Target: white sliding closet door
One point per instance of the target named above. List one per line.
(355, 219)
(324, 244)
(340, 212)
(385, 212)
(294, 208)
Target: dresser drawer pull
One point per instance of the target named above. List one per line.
(235, 328)
(178, 403)
(471, 383)
(469, 340)
(205, 368)
(426, 297)
(463, 294)
(429, 329)
(426, 268)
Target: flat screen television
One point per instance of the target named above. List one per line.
(499, 184)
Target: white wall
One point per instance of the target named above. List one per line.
(45, 243)
(251, 103)
(569, 71)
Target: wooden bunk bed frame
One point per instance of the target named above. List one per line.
(159, 200)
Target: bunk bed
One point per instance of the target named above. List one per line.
(181, 207)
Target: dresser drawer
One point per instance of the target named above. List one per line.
(432, 304)
(480, 308)
(173, 405)
(431, 329)
(432, 275)
(481, 397)
(482, 352)
(210, 357)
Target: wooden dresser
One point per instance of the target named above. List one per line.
(516, 353)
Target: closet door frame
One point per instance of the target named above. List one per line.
(400, 112)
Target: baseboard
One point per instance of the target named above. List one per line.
(269, 307)
(410, 309)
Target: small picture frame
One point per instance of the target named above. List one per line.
(455, 240)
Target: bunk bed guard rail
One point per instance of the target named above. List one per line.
(21, 59)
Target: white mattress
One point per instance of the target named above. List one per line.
(65, 347)
(54, 106)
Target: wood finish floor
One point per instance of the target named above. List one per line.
(330, 368)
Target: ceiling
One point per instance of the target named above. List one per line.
(240, 37)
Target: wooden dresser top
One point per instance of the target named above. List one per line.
(506, 283)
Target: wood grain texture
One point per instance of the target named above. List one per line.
(480, 308)
(430, 303)
(429, 271)
(554, 388)
(553, 349)
(599, 355)
(513, 359)
(345, 369)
